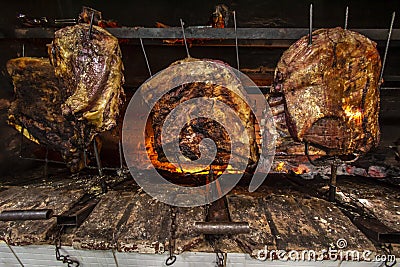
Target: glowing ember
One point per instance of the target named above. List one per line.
(280, 166)
(167, 166)
(354, 114)
(300, 169)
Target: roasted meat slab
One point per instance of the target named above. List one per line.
(65, 101)
(197, 129)
(36, 109)
(331, 90)
(90, 68)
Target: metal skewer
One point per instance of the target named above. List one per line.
(184, 38)
(145, 57)
(236, 40)
(96, 153)
(121, 163)
(346, 18)
(46, 163)
(386, 49)
(91, 25)
(311, 26)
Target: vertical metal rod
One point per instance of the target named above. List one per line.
(96, 153)
(85, 158)
(23, 50)
(346, 17)
(386, 49)
(236, 40)
(179, 163)
(21, 142)
(145, 57)
(91, 25)
(209, 179)
(184, 38)
(121, 164)
(311, 26)
(46, 162)
(332, 182)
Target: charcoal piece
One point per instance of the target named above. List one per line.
(331, 90)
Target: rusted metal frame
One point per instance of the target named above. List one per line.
(206, 33)
(218, 220)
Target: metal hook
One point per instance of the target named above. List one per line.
(386, 49)
(145, 57)
(326, 161)
(184, 38)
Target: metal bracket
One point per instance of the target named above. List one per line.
(78, 214)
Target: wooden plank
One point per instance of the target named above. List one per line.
(250, 208)
(187, 239)
(34, 197)
(147, 229)
(100, 228)
(383, 200)
(300, 222)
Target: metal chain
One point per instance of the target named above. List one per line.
(64, 258)
(220, 258)
(172, 238)
(388, 251)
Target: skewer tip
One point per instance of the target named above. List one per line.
(310, 26)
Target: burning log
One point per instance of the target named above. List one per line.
(331, 91)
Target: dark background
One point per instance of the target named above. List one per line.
(251, 13)
(363, 14)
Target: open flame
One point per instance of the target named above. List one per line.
(280, 166)
(353, 113)
(174, 168)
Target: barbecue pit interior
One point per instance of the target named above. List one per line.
(70, 71)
